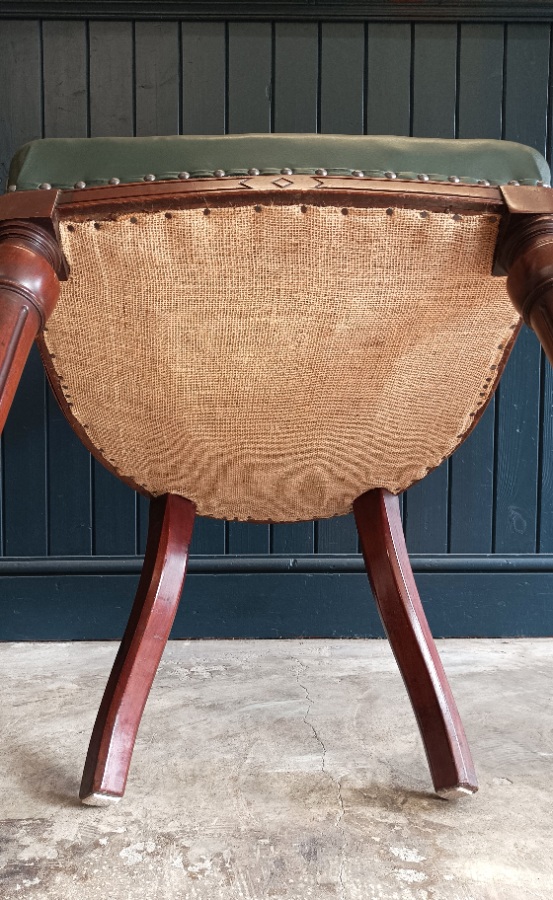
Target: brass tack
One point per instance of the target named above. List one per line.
(515, 182)
(357, 173)
(423, 177)
(389, 211)
(286, 171)
(345, 211)
(12, 187)
(133, 220)
(423, 214)
(303, 209)
(71, 228)
(390, 175)
(79, 185)
(45, 186)
(454, 179)
(168, 215)
(321, 172)
(457, 217)
(149, 177)
(539, 183)
(219, 173)
(253, 171)
(493, 367)
(97, 226)
(184, 175)
(206, 212)
(114, 181)
(483, 182)
(257, 208)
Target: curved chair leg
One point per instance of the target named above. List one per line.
(389, 570)
(157, 598)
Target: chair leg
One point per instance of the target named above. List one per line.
(155, 605)
(389, 570)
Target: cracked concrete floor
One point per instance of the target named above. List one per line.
(289, 770)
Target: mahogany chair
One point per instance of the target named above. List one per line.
(272, 328)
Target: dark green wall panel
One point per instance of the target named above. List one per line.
(116, 76)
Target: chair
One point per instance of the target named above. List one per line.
(272, 328)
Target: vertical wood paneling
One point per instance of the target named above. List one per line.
(480, 102)
(433, 115)
(527, 49)
(296, 73)
(111, 79)
(157, 78)
(24, 439)
(434, 80)
(112, 112)
(472, 80)
(203, 77)
(69, 463)
(249, 77)
(389, 78)
(342, 110)
(249, 109)
(342, 78)
(296, 77)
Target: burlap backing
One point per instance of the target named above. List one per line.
(273, 363)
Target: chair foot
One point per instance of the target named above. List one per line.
(157, 598)
(389, 570)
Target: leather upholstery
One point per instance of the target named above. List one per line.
(64, 162)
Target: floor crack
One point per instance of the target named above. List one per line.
(336, 781)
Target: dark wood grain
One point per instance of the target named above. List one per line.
(389, 570)
(112, 742)
(29, 289)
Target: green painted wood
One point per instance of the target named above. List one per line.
(389, 49)
(203, 78)
(480, 108)
(250, 86)
(434, 81)
(434, 95)
(112, 112)
(296, 77)
(439, 10)
(342, 76)
(157, 78)
(545, 466)
(276, 606)
(25, 500)
(527, 65)
(65, 80)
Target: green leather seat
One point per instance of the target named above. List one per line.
(66, 162)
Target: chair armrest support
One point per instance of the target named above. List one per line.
(30, 261)
(526, 254)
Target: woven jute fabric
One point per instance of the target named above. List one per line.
(275, 362)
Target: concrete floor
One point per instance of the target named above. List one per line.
(287, 770)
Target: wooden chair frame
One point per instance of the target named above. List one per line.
(31, 266)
